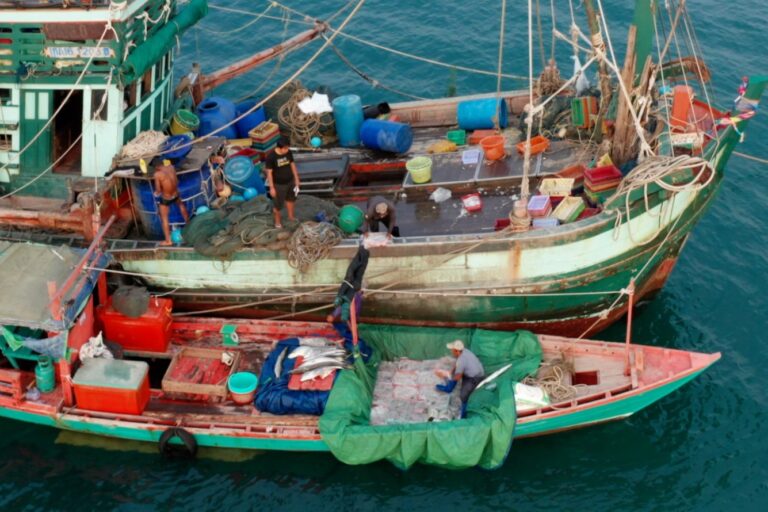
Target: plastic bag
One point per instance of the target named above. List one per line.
(440, 194)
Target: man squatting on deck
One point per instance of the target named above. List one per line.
(283, 180)
(167, 193)
(469, 370)
(381, 210)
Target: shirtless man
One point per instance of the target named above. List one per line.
(167, 193)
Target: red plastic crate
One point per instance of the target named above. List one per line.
(151, 332)
(588, 212)
(130, 397)
(602, 174)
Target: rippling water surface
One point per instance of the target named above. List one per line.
(702, 448)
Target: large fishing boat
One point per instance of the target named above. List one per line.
(654, 121)
(158, 380)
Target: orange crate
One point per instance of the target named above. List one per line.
(150, 332)
(539, 144)
(199, 371)
(478, 135)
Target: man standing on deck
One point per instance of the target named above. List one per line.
(167, 193)
(381, 210)
(283, 180)
(469, 370)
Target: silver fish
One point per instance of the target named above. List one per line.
(320, 373)
(315, 341)
(279, 363)
(311, 352)
(319, 362)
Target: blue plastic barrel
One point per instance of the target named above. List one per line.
(481, 114)
(214, 113)
(348, 114)
(241, 173)
(192, 190)
(386, 135)
(250, 121)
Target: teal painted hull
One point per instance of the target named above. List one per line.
(617, 409)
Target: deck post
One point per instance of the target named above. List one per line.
(628, 339)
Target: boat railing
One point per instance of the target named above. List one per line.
(48, 4)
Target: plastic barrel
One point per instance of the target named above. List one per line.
(482, 114)
(420, 168)
(350, 218)
(386, 135)
(242, 174)
(250, 121)
(348, 114)
(214, 113)
(184, 121)
(192, 191)
(169, 150)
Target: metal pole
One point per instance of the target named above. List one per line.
(628, 340)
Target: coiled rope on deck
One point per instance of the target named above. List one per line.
(302, 126)
(310, 242)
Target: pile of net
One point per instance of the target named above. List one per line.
(405, 392)
(222, 232)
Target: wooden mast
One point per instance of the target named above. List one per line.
(599, 45)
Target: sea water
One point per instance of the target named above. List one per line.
(702, 448)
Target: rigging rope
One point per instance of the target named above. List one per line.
(312, 241)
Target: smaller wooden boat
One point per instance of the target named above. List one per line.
(612, 380)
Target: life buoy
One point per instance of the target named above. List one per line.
(187, 448)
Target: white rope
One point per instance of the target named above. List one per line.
(524, 185)
(234, 31)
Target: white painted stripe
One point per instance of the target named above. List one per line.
(71, 14)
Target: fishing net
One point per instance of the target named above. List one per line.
(483, 438)
(131, 301)
(222, 232)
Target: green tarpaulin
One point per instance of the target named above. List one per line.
(482, 439)
(150, 51)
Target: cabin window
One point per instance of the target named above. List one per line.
(97, 97)
(130, 97)
(6, 141)
(146, 83)
(5, 96)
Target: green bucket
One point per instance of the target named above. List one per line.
(350, 218)
(420, 168)
(458, 137)
(184, 121)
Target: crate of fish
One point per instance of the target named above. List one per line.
(315, 364)
(196, 372)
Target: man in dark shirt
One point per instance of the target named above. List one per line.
(381, 210)
(283, 180)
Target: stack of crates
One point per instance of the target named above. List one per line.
(264, 137)
(584, 112)
(600, 183)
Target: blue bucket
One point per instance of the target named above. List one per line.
(386, 135)
(242, 387)
(481, 114)
(348, 114)
(242, 174)
(214, 113)
(169, 150)
(250, 121)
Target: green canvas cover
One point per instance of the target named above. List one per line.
(482, 439)
(150, 51)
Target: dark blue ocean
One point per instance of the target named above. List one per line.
(702, 448)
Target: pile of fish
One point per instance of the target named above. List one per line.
(320, 358)
(405, 392)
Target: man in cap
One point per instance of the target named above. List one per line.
(381, 210)
(469, 370)
(283, 180)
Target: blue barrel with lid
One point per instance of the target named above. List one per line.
(242, 174)
(214, 113)
(348, 114)
(482, 114)
(250, 121)
(386, 135)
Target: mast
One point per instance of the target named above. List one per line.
(643, 22)
(599, 45)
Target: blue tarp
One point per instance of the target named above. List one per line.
(273, 395)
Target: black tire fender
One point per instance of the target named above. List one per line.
(188, 447)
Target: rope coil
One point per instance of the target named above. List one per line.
(312, 241)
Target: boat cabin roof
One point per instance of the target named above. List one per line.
(25, 273)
